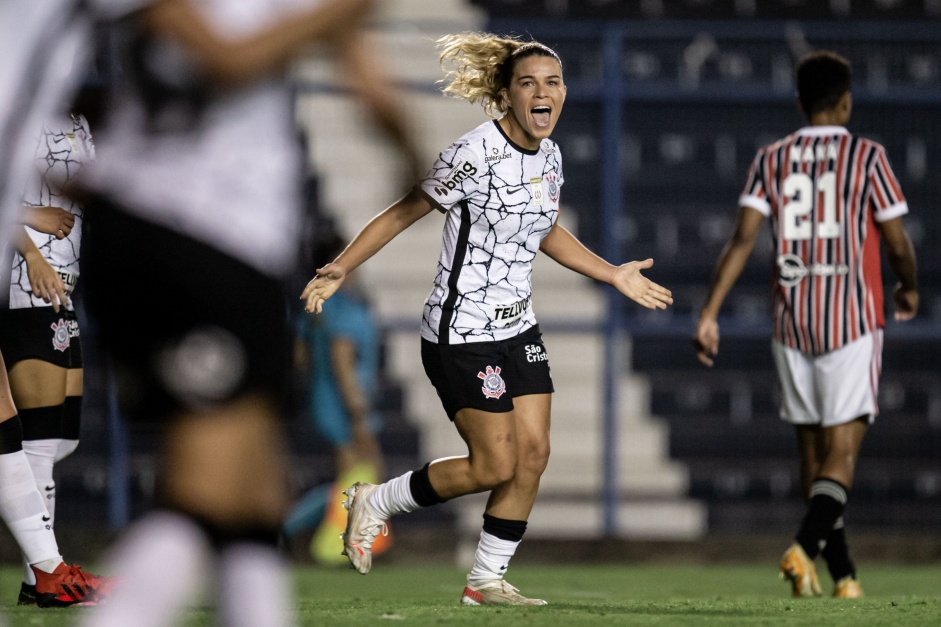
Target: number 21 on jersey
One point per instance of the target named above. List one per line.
(799, 189)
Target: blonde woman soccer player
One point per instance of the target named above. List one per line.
(498, 188)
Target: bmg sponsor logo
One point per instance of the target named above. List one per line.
(457, 175)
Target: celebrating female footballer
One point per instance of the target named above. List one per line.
(498, 187)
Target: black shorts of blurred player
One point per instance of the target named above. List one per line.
(212, 328)
(209, 351)
(40, 333)
(488, 375)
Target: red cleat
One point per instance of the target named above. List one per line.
(65, 586)
(102, 586)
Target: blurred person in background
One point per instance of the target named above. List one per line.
(194, 204)
(339, 349)
(498, 187)
(39, 333)
(831, 196)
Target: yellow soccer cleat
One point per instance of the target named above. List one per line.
(799, 569)
(326, 545)
(847, 588)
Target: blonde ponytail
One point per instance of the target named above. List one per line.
(478, 66)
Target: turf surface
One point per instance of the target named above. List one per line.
(578, 595)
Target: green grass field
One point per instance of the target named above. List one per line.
(579, 595)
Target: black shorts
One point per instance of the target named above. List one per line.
(40, 333)
(188, 327)
(488, 375)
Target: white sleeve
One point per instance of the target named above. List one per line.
(453, 177)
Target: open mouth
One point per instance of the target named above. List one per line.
(541, 115)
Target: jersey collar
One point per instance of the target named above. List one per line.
(525, 151)
(821, 131)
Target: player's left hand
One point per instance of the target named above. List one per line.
(906, 303)
(629, 281)
(46, 283)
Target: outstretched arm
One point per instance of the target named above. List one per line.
(901, 256)
(565, 249)
(369, 79)
(243, 60)
(376, 234)
(727, 271)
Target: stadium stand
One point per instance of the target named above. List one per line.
(700, 93)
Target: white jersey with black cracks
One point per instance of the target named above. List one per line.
(500, 201)
(62, 150)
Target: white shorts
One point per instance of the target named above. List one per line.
(833, 388)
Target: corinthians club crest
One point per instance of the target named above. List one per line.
(493, 386)
(60, 335)
(553, 187)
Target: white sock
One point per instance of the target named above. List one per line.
(394, 497)
(23, 510)
(492, 559)
(41, 455)
(163, 563)
(65, 448)
(254, 587)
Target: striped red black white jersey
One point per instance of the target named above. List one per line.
(824, 190)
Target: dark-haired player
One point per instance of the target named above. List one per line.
(830, 195)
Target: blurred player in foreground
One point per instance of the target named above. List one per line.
(498, 187)
(194, 205)
(830, 196)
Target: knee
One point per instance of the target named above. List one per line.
(535, 458)
(495, 471)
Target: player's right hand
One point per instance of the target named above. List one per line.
(323, 286)
(46, 282)
(54, 221)
(706, 341)
(906, 303)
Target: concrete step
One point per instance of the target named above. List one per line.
(582, 518)
(576, 407)
(569, 474)
(458, 12)
(645, 440)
